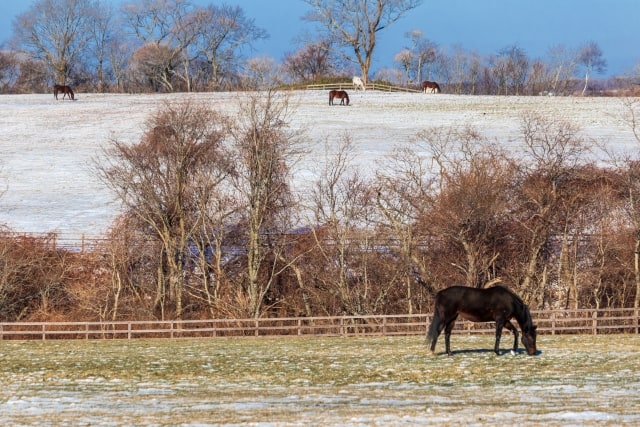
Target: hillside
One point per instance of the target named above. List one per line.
(47, 146)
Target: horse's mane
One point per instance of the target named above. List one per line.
(528, 321)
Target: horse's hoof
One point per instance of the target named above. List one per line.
(513, 353)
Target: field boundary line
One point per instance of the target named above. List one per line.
(553, 322)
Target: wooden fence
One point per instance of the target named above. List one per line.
(368, 86)
(548, 322)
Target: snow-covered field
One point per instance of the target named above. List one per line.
(47, 146)
(583, 380)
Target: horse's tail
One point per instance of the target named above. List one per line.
(437, 87)
(71, 94)
(346, 95)
(434, 327)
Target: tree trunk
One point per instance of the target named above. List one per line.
(636, 269)
(586, 82)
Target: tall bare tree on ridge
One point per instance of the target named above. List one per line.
(354, 24)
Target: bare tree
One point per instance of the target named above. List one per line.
(591, 59)
(405, 59)
(629, 168)
(102, 31)
(34, 277)
(354, 24)
(153, 21)
(56, 32)
(166, 28)
(405, 195)
(185, 30)
(463, 71)
(343, 205)
(154, 65)
(9, 71)
(424, 52)
(119, 50)
(311, 61)
(562, 63)
(261, 73)
(157, 182)
(510, 68)
(553, 151)
(225, 32)
(538, 79)
(265, 150)
(474, 179)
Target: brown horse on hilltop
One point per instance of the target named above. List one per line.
(433, 87)
(340, 94)
(65, 90)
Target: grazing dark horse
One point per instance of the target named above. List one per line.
(66, 90)
(495, 304)
(433, 87)
(340, 94)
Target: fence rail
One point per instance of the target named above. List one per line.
(548, 322)
(368, 86)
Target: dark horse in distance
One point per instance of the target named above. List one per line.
(495, 304)
(65, 90)
(340, 94)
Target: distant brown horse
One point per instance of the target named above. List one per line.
(433, 87)
(66, 90)
(340, 94)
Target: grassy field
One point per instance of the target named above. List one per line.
(575, 380)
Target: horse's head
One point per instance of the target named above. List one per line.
(529, 340)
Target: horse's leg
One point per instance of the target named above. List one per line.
(447, 335)
(499, 325)
(513, 329)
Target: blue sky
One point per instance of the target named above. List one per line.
(486, 26)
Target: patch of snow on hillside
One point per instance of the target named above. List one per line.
(47, 147)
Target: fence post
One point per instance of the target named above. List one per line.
(426, 325)
(128, 330)
(594, 326)
(553, 323)
(44, 332)
(299, 326)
